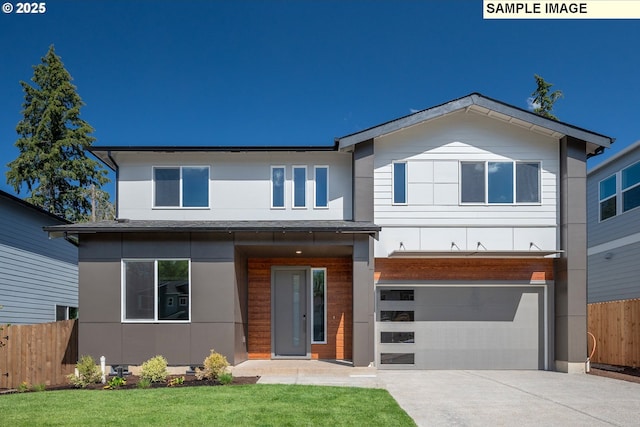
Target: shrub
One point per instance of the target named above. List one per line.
(88, 373)
(215, 364)
(143, 383)
(39, 387)
(115, 382)
(154, 369)
(225, 378)
(24, 386)
(175, 381)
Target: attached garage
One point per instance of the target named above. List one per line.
(461, 326)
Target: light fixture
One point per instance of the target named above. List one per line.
(298, 252)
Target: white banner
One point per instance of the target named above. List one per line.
(562, 9)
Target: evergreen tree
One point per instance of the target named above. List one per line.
(542, 100)
(52, 163)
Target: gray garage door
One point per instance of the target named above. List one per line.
(460, 327)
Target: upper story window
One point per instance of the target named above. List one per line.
(181, 187)
(277, 187)
(155, 290)
(628, 193)
(608, 198)
(321, 186)
(299, 186)
(500, 182)
(399, 183)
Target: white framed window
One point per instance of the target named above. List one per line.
(631, 187)
(181, 186)
(321, 187)
(278, 179)
(65, 312)
(319, 305)
(299, 189)
(399, 183)
(150, 289)
(499, 182)
(607, 190)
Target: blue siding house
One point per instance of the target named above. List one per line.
(38, 275)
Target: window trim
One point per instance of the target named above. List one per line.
(393, 183)
(324, 270)
(514, 183)
(180, 194)
(294, 186)
(315, 189)
(123, 301)
(284, 185)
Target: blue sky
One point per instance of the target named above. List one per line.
(303, 72)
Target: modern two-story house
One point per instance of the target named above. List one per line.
(613, 224)
(451, 238)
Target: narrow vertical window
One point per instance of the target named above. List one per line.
(500, 182)
(472, 182)
(277, 186)
(400, 183)
(319, 304)
(321, 186)
(608, 198)
(299, 186)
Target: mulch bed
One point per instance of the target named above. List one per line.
(132, 381)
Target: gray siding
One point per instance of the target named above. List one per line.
(619, 226)
(36, 273)
(614, 274)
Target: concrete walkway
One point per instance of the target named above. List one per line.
(475, 398)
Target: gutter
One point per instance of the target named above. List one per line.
(117, 170)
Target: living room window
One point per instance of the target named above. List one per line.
(500, 182)
(319, 305)
(151, 288)
(181, 187)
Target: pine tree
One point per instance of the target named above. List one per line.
(542, 100)
(52, 163)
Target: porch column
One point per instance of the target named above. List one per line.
(363, 301)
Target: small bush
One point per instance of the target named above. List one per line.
(24, 386)
(225, 378)
(175, 381)
(39, 387)
(215, 364)
(155, 369)
(143, 383)
(88, 373)
(115, 382)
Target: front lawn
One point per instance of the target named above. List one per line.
(260, 404)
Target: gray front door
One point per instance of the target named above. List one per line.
(289, 308)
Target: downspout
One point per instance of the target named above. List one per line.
(117, 170)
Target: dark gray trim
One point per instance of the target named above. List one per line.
(467, 101)
(126, 226)
(104, 153)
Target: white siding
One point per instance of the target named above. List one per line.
(434, 219)
(240, 185)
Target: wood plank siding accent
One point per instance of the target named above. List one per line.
(538, 269)
(615, 328)
(339, 306)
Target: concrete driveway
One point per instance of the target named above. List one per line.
(475, 398)
(513, 398)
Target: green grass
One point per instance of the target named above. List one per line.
(248, 405)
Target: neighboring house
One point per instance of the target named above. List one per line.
(451, 238)
(613, 225)
(38, 275)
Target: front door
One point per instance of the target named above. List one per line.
(289, 313)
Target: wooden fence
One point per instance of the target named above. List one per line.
(38, 354)
(616, 327)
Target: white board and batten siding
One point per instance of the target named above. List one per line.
(239, 185)
(36, 273)
(433, 218)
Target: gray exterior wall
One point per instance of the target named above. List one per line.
(613, 244)
(219, 293)
(571, 268)
(36, 273)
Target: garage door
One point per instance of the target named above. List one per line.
(460, 327)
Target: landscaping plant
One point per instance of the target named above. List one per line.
(214, 365)
(154, 369)
(88, 373)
